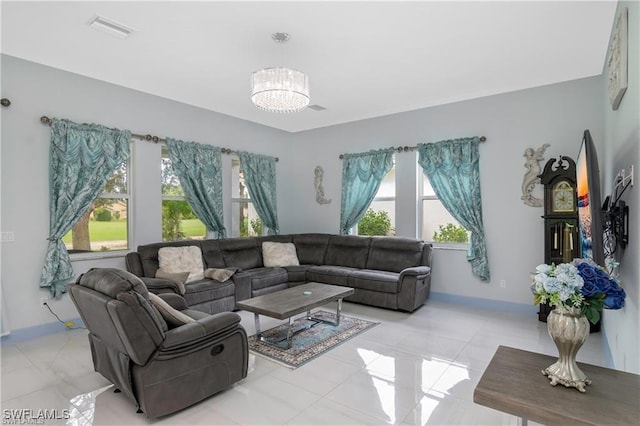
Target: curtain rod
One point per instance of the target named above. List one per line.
(148, 138)
(410, 148)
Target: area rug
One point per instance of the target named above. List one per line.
(311, 343)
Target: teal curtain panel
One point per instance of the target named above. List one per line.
(81, 159)
(452, 167)
(199, 168)
(260, 177)
(361, 177)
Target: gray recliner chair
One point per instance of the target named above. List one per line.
(162, 369)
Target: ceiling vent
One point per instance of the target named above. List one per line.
(110, 27)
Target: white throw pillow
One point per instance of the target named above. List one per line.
(170, 315)
(182, 259)
(279, 254)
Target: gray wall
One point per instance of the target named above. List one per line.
(36, 90)
(555, 114)
(621, 147)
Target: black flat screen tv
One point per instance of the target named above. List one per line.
(589, 203)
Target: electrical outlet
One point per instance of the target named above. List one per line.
(43, 301)
(503, 283)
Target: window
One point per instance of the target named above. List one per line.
(437, 224)
(105, 226)
(245, 221)
(380, 218)
(179, 222)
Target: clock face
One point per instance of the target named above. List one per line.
(563, 198)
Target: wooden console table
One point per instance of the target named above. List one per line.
(513, 383)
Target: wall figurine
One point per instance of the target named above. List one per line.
(532, 163)
(317, 182)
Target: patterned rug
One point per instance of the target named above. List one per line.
(311, 343)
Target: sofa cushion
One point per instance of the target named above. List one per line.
(206, 290)
(348, 250)
(243, 253)
(311, 248)
(182, 259)
(381, 281)
(279, 254)
(212, 254)
(328, 274)
(394, 253)
(172, 316)
(267, 277)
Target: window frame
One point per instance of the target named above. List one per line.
(354, 229)
(239, 200)
(77, 257)
(421, 199)
(163, 197)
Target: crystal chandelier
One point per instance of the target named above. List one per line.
(281, 89)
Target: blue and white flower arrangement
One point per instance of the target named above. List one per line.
(581, 284)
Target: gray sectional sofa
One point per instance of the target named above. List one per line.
(387, 272)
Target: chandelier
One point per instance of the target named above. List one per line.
(280, 90)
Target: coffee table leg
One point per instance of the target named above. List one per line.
(338, 311)
(256, 321)
(290, 333)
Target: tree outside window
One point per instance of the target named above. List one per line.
(105, 225)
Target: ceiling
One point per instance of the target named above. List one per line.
(364, 59)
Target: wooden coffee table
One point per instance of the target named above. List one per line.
(285, 304)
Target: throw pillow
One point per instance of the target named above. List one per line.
(170, 315)
(279, 254)
(177, 277)
(221, 275)
(182, 259)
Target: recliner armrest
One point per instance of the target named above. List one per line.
(202, 330)
(160, 285)
(177, 302)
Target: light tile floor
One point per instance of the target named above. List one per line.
(412, 369)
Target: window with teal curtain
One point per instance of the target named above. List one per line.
(81, 159)
(361, 177)
(452, 167)
(199, 168)
(260, 177)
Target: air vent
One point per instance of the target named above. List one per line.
(110, 27)
(316, 107)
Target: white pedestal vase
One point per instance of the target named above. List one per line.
(568, 330)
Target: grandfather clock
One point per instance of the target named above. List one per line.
(561, 236)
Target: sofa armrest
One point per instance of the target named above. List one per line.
(201, 331)
(414, 287)
(415, 271)
(176, 301)
(134, 263)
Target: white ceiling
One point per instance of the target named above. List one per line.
(364, 59)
